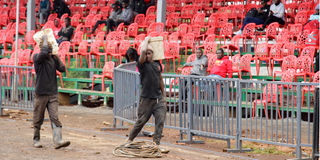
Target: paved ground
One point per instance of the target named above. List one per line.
(82, 127)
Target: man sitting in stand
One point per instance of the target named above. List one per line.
(276, 14)
(127, 13)
(259, 16)
(112, 21)
(222, 66)
(66, 32)
(199, 65)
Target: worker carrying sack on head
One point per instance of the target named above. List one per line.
(46, 63)
(152, 97)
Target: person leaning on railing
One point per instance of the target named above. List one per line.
(46, 93)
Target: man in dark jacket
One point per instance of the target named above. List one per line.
(66, 32)
(60, 7)
(140, 6)
(46, 93)
(260, 18)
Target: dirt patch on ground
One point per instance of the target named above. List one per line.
(82, 126)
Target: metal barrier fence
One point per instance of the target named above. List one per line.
(315, 138)
(16, 92)
(230, 109)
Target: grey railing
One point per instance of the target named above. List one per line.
(229, 109)
(16, 92)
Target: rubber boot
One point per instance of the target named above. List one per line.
(57, 138)
(163, 150)
(36, 138)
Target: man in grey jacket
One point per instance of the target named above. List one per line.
(199, 65)
(127, 13)
(113, 20)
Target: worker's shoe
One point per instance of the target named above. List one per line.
(57, 138)
(163, 150)
(36, 138)
(128, 141)
(238, 32)
(260, 29)
(37, 144)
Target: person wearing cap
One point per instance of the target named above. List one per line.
(276, 14)
(46, 63)
(152, 98)
(113, 20)
(316, 15)
(260, 18)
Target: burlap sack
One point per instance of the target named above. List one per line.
(51, 39)
(155, 44)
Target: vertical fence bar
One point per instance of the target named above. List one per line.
(1, 110)
(115, 103)
(226, 100)
(315, 139)
(298, 147)
(180, 95)
(239, 117)
(190, 110)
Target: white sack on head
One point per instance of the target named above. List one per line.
(51, 39)
(155, 44)
(144, 45)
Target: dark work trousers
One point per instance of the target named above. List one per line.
(272, 19)
(109, 23)
(41, 103)
(148, 107)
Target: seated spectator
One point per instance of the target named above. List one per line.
(126, 16)
(57, 27)
(60, 7)
(44, 11)
(66, 32)
(199, 65)
(259, 18)
(222, 66)
(140, 6)
(113, 20)
(276, 14)
(316, 15)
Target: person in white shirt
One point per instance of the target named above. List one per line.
(276, 14)
(316, 15)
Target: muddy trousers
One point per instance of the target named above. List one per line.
(41, 103)
(148, 107)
